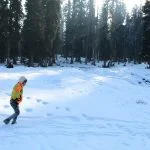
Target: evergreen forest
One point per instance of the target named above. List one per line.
(41, 30)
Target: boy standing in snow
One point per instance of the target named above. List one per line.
(16, 98)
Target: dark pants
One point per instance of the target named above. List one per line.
(15, 106)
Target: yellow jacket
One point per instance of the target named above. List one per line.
(17, 92)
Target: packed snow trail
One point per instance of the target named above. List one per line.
(78, 109)
(73, 132)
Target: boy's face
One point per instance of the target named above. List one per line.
(24, 83)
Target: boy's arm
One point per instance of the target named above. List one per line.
(18, 90)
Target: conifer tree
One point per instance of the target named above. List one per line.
(91, 23)
(4, 10)
(117, 17)
(33, 31)
(136, 30)
(78, 28)
(68, 31)
(52, 26)
(103, 35)
(15, 17)
(146, 33)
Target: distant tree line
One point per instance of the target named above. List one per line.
(110, 34)
(33, 35)
(76, 29)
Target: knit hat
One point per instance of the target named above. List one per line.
(22, 79)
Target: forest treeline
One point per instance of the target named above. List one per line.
(74, 29)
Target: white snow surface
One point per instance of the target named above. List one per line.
(77, 108)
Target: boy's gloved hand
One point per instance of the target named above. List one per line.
(19, 100)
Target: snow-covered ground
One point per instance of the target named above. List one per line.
(78, 108)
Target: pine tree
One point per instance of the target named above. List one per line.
(52, 26)
(15, 17)
(4, 10)
(68, 31)
(117, 17)
(91, 20)
(146, 33)
(78, 22)
(127, 53)
(103, 36)
(33, 31)
(136, 30)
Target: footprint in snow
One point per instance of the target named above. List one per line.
(28, 110)
(6, 106)
(38, 100)
(87, 117)
(57, 107)
(28, 97)
(67, 109)
(49, 114)
(84, 115)
(44, 103)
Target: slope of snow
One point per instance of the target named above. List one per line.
(78, 108)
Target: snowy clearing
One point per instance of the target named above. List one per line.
(78, 108)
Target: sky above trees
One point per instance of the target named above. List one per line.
(130, 3)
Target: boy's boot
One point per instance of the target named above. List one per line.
(6, 121)
(14, 121)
